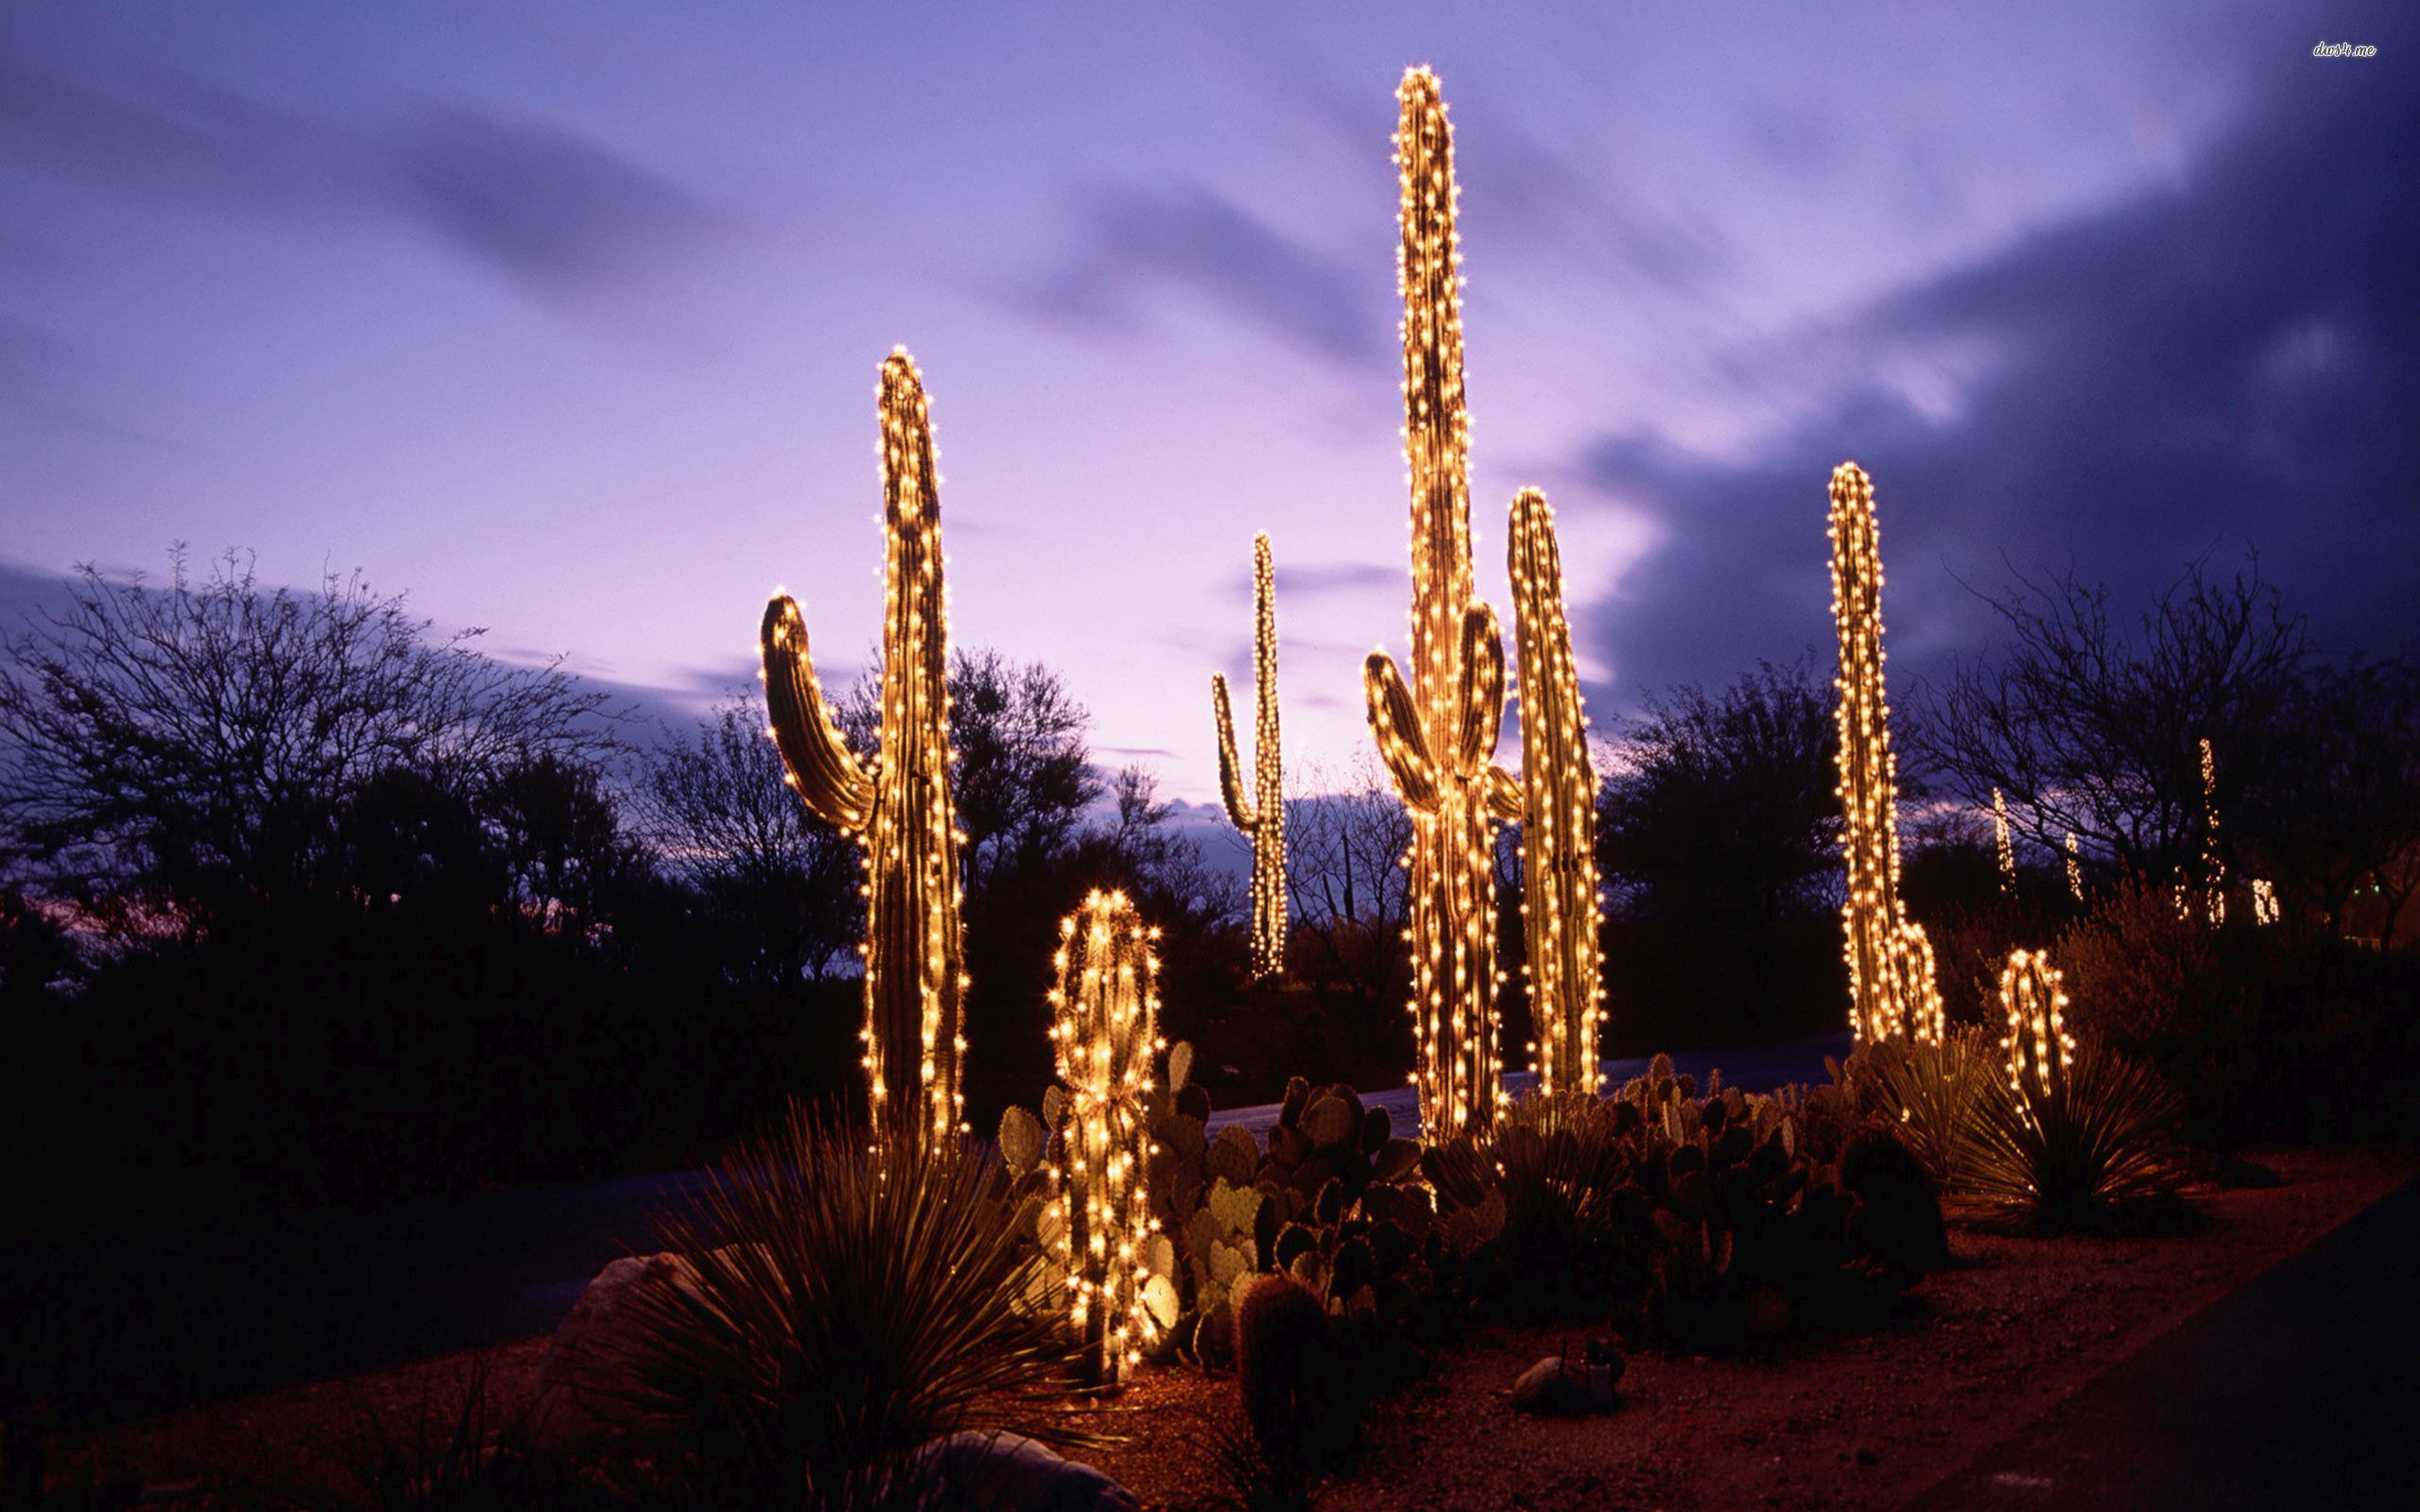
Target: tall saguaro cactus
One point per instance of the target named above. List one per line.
(1558, 814)
(1881, 1002)
(1262, 815)
(1105, 1032)
(1437, 734)
(895, 802)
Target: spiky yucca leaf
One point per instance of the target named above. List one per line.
(2096, 1149)
(1928, 1093)
(840, 1307)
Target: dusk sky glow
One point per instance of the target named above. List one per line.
(567, 319)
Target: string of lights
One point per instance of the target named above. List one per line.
(896, 802)
(1437, 734)
(1262, 817)
(1104, 1035)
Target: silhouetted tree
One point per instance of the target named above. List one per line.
(1347, 892)
(1721, 810)
(2091, 723)
(781, 883)
(169, 754)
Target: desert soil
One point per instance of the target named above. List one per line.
(1860, 1420)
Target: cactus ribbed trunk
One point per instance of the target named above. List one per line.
(1437, 734)
(1561, 913)
(1881, 1002)
(2039, 1050)
(1262, 816)
(1105, 1032)
(896, 802)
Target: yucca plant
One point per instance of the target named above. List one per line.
(2096, 1147)
(841, 1305)
(1928, 1094)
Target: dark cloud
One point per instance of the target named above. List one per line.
(1131, 240)
(2233, 359)
(543, 203)
(556, 211)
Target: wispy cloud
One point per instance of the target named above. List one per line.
(556, 211)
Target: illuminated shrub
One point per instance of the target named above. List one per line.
(1560, 912)
(896, 799)
(2076, 1136)
(1262, 816)
(1104, 1031)
(1437, 732)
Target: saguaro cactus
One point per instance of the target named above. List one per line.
(2000, 840)
(1879, 1001)
(1263, 816)
(1105, 1032)
(896, 800)
(1561, 914)
(1438, 734)
(2214, 865)
(2039, 1048)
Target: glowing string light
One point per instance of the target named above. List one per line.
(896, 802)
(1104, 1034)
(1437, 732)
(1882, 1003)
(2075, 867)
(1262, 816)
(2006, 851)
(2214, 868)
(1563, 912)
(2033, 995)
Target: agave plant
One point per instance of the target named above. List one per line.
(837, 1307)
(2095, 1147)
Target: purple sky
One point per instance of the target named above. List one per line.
(567, 318)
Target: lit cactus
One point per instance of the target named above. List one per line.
(1262, 816)
(1438, 734)
(2214, 867)
(1105, 1032)
(1561, 910)
(2000, 840)
(2039, 1050)
(1911, 966)
(896, 801)
(2075, 867)
(1881, 1002)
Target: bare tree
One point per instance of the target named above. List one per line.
(2092, 724)
(1345, 883)
(169, 753)
(784, 881)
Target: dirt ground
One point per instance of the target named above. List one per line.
(1867, 1420)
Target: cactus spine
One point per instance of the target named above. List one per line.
(1104, 1033)
(1880, 1003)
(1438, 734)
(1561, 911)
(2039, 1047)
(897, 800)
(1263, 816)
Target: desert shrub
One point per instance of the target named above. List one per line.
(2094, 1149)
(2252, 1027)
(840, 1307)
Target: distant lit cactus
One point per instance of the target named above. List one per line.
(2039, 1050)
(1438, 734)
(1105, 1033)
(2214, 865)
(895, 801)
(1881, 1003)
(1561, 914)
(2000, 842)
(1262, 816)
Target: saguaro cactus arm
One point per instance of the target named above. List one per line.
(1231, 777)
(1402, 744)
(1481, 696)
(826, 771)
